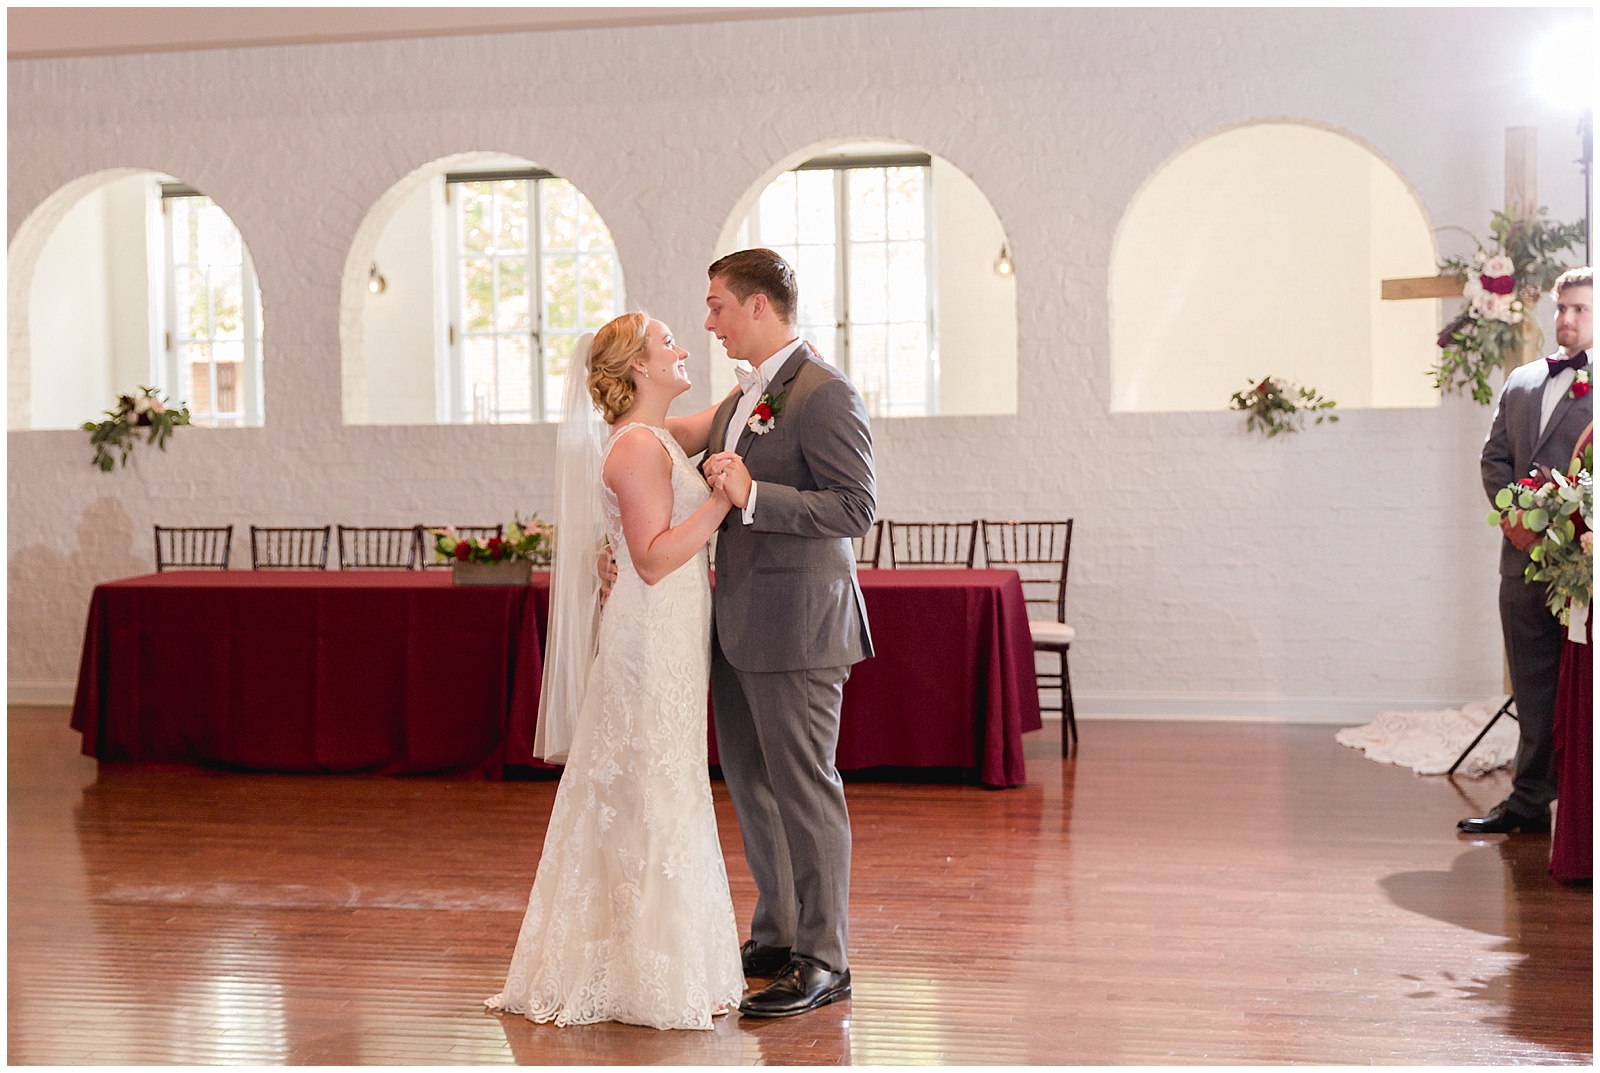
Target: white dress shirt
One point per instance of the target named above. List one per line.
(1555, 389)
(747, 405)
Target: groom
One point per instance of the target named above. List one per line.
(1544, 408)
(793, 450)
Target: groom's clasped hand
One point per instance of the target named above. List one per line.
(725, 472)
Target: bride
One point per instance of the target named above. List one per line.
(630, 918)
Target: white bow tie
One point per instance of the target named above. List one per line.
(748, 378)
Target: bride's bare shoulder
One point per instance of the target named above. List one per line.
(636, 450)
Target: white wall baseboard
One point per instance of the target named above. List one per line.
(1247, 707)
(41, 693)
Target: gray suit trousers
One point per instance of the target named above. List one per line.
(1533, 649)
(776, 738)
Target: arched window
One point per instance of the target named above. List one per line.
(466, 289)
(1260, 251)
(127, 279)
(904, 271)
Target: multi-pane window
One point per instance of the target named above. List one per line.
(857, 233)
(213, 312)
(534, 267)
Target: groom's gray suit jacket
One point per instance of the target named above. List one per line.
(1515, 445)
(786, 597)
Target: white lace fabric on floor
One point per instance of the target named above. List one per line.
(1429, 742)
(630, 918)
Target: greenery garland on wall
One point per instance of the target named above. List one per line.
(1276, 406)
(119, 431)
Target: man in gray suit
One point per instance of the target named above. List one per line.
(1544, 408)
(793, 450)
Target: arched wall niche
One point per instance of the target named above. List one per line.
(1259, 250)
(416, 344)
(971, 335)
(125, 278)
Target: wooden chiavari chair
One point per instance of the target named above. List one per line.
(193, 547)
(870, 547)
(1040, 552)
(288, 548)
(932, 543)
(377, 547)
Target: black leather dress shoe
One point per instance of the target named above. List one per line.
(1501, 820)
(763, 960)
(802, 986)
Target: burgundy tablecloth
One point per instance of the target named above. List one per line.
(398, 672)
(390, 672)
(1572, 846)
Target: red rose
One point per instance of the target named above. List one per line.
(1498, 284)
(1531, 482)
(1579, 389)
(496, 548)
(463, 551)
(763, 411)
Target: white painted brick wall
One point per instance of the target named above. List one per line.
(1321, 576)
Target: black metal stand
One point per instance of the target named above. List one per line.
(1505, 709)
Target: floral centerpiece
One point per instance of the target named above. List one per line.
(497, 560)
(119, 431)
(1555, 511)
(1275, 406)
(1502, 284)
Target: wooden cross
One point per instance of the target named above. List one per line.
(1522, 164)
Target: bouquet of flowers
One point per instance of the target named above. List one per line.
(1559, 508)
(133, 412)
(1276, 406)
(1501, 284)
(531, 540)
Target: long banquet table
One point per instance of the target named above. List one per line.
(403, 672)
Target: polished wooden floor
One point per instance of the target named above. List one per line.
(1177, 893)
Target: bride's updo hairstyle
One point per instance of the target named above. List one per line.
(616, 347)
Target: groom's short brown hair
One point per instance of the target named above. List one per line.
(760, 270)
(1582, 276)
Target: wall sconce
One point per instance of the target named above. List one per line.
(1002, 264)
(375, 281)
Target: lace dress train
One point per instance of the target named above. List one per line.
(630, 918)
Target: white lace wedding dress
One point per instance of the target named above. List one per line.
(630, 917)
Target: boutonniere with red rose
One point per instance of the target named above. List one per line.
(1580, 384)
(765, 416)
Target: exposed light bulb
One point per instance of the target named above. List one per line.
(1563, 71)
(375, 281)
(1002, 264)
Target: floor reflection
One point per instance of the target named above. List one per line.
(1502, 887)
(535, 1044)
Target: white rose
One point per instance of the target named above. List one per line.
(1499, 265)
(1471, 288)
(1490, 306)
(142, 404)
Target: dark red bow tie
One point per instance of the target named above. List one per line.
(1577, 361)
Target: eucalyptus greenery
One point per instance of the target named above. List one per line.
(1473, 346)
(1563, 559)
(1275, 406)
(120, 430)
